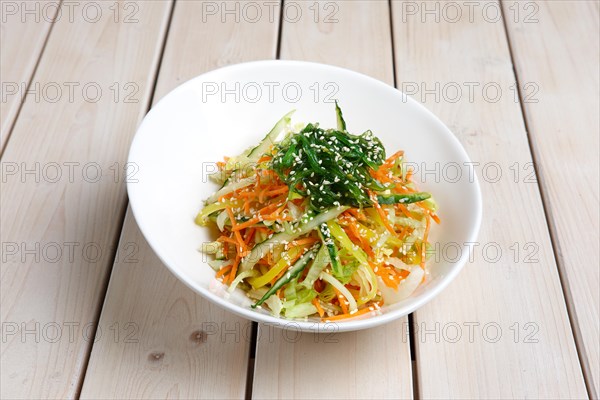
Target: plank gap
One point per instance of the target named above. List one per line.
(393, 46)
(411, 335)
(279, 31)
(121, 219)
(4, 144)
(571, 313)
(411, 332)
(251, 359)
(160, 59)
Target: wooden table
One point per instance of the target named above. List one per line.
(517, 82)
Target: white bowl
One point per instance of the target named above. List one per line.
(224, 111)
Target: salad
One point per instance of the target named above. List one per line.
(318, 222)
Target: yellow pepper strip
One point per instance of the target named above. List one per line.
(338, 233)
(285, 261)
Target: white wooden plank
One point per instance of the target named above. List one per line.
(187, 347)
(60, 221)
(556, 49)
(24, 28)
(367, 364)
(492, 293)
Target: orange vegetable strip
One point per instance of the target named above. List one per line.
(255, 220)
(358, 214)
(226, 239)
(249, 235)
(238, 237)
(363, 242)
(402, 232)
(280, 209)
(436, 218)
(382, 214)
(269, 208)
(404, 210)
(246, 224)
(318, 306)
(280, 190)
(338, 317)
(225, 196)
(234, 269)
(391, 159)
(223, 271)
(384, 273)
(261, 195)
(247, 194)
(342, 301)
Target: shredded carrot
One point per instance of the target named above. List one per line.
(388, 275)
(363, 242)
(338, 317)
(436, 218)
(382, 214)
(238, 237)
(353, 212)
(275, 191)
(249, 235)
(358, 214)
(393, 157)
(234, 269)
(268, 209)
(404, 210)
(342, 300)
(320, 310)
(280, 209)
(264, 158)
(246, 224)
(255, 220)
(226, 239)
(223, 270)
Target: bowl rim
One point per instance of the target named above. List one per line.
(300, 325)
